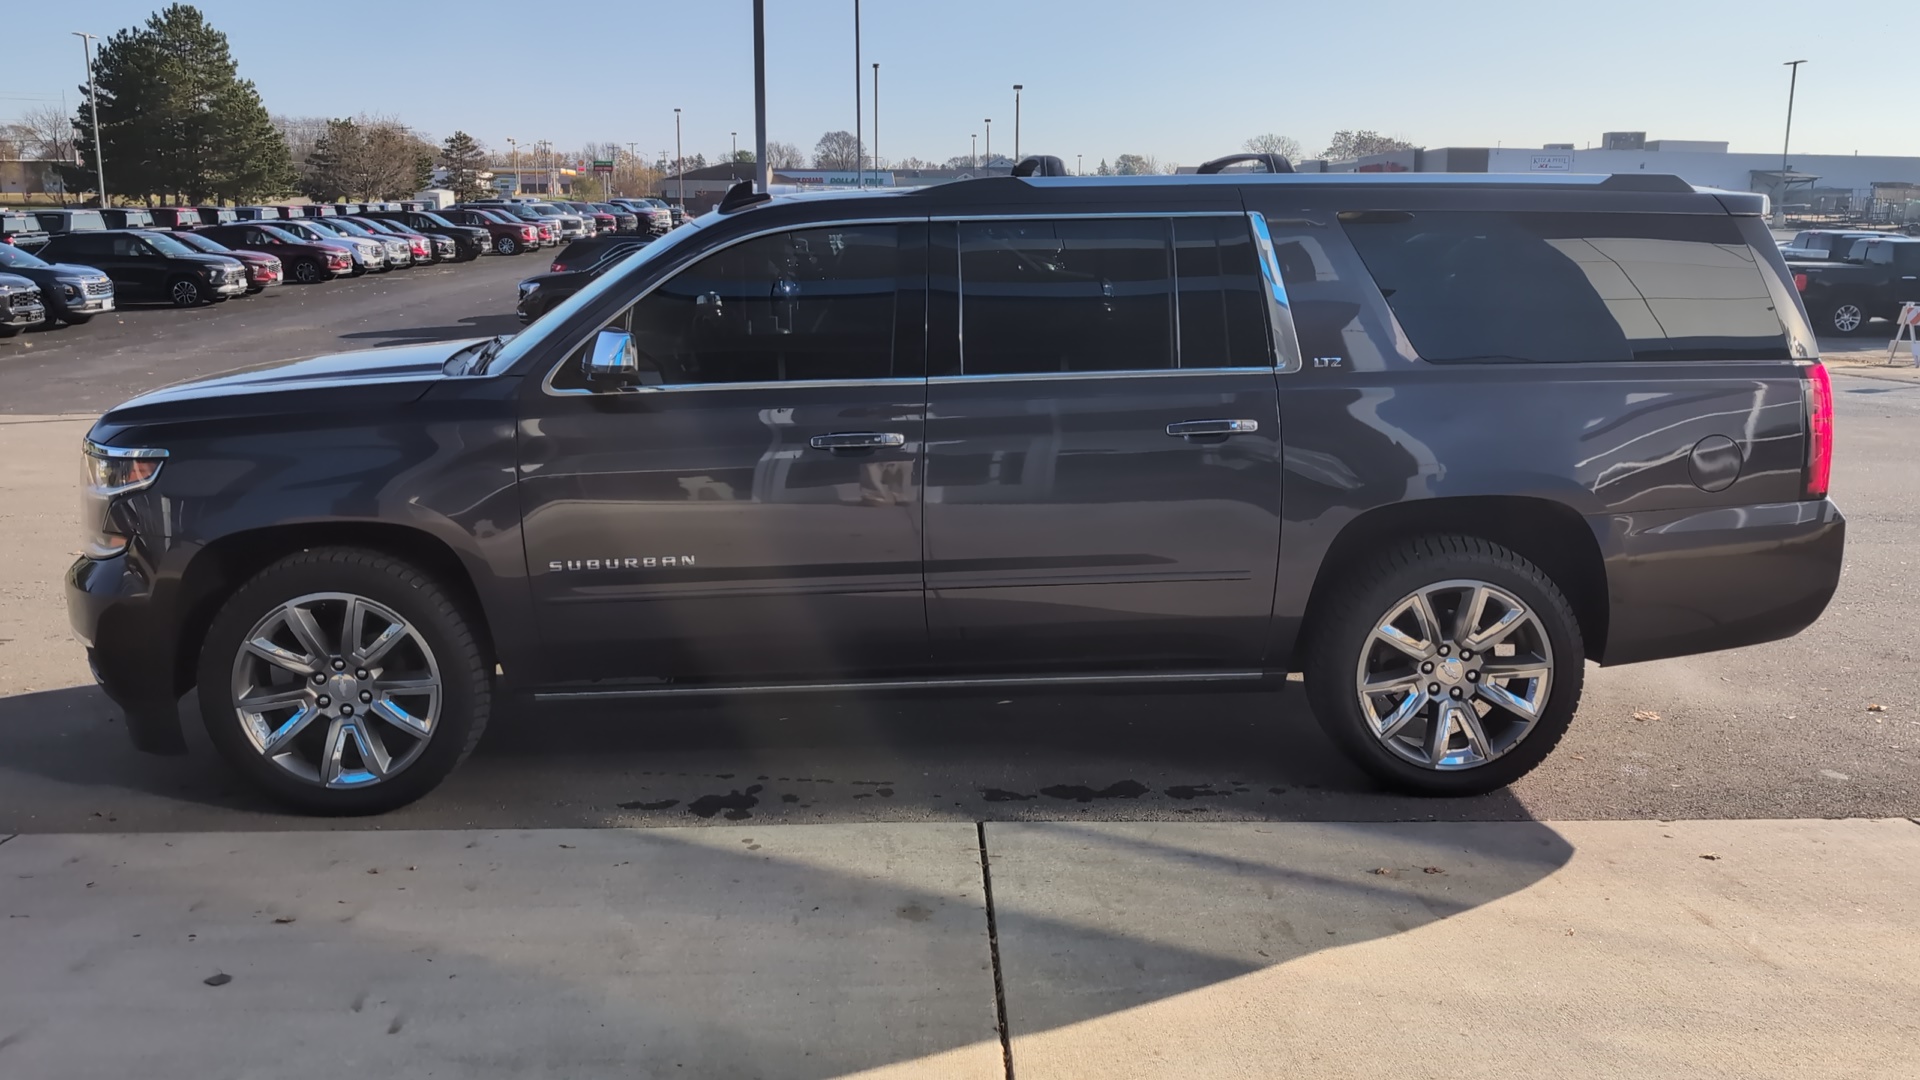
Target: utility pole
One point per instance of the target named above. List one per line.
(93, 106)
(1793, 83)
(859, 154)
(679, 163)
(876, 122)
(761, 169)
(1016, 120)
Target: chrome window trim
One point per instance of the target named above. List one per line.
(101, 450)
(775, 384)
(1041, 376)
(1104, 215)
(546, 383)
(1285, 345)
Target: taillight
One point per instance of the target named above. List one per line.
(1819, 405)
(1800, 282)
(557, 267)
(528, 233)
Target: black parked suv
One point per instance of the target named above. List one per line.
(147, 264)
(1433, 441)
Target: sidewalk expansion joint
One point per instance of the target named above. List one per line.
(993, 947)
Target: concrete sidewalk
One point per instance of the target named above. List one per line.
(1735, 949)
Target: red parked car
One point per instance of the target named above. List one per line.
(305, 261)
(509, 237)
(262, 269)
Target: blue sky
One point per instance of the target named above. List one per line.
(1182, 81)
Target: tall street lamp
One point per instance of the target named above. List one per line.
(1076, 164)
(976, 149)
(679, 163)
(859, 153)
(876, 121)
(93, 105)
(1016, 120)
(989, 122)
(513, 152)
(1793, 82)
(736, 146)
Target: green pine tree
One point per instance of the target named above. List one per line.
(465, 159)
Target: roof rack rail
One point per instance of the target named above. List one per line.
(740, 196)
(1041, 165)
(1666, 182)
(1274, 163)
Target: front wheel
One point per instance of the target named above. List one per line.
(343, 681)
(307, 271)
(1447, 666)
(76, 320)
(506, 245)
(186, 292)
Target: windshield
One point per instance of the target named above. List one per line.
(202, 243)
(298, 229)
(352, 228)
(283, 235)
(167, 245)
(13, 256)
(558, 317)
(437, 219)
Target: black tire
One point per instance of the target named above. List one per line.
(308, 271)
(1344, 621)
(433, 611)
(506, 245)
(76, 320)
(10, 331)
(1841, 318)
(185, 292)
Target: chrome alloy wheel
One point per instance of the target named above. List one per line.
(336, 690)
(1455, 675)
(1848, 317)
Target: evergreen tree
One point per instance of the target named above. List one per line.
(176, 120)
(422, 171)
(465, 159)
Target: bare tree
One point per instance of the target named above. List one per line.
(1347, 145)
(45, 133)
(785, 155)
(1272, 143)
(839, 150)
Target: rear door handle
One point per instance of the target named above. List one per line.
(858, 440)
(1187, 429)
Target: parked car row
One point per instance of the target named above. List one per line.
(1847, 279)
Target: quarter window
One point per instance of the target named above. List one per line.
(1486, 286)
(799, 306)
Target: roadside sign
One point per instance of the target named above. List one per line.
(602, 166)
(503, 183)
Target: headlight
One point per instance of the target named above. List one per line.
(70, 290)
(111, 472)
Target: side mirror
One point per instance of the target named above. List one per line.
(613, 358)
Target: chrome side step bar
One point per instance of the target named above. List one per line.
(1036, 682)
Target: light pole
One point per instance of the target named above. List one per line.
(876, 122)
(989, 122)
(859, 153)
(513, 151)
(1793, 82)
(976, 149)
(760, 167)
(1076, 164)
(736, 146)
(1016, 120)
(679, 163)
(93, 106)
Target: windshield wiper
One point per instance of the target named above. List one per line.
(481, 351)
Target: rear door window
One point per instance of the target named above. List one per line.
(1569, 287)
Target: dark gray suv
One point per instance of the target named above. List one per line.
(1434, 441)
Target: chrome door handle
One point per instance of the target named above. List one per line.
(1187, 429)
(857, 440)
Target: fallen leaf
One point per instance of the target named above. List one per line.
(284, 920)
(1710, 856)
(1382, 871)
(1876, 708)
(221, 979)
(1646, 714)
(375, 870)
(1433, 870)
(569, 846)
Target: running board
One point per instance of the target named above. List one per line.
(1038, 682)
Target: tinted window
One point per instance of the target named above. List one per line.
(806, 305)
(1223, 316)
(1571, 287)
(1066, 296)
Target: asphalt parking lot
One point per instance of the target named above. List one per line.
(1786, 730)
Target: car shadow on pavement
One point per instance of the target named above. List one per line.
(471, 327)
(1169, 756)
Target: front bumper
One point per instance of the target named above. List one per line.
(130, 647)
(32, 315)
(1694, 581)
(231, 287)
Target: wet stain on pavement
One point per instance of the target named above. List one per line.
(663, 804)
(994, 794)
(1195, 791)
(735, 805)
(1124, 789)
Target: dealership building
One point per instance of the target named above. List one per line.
(1813, 183)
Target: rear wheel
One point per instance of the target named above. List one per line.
(506, 245)
(186, 292)
(308, 271)
(1842, 318)
(1447, 666)
(343, 681)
